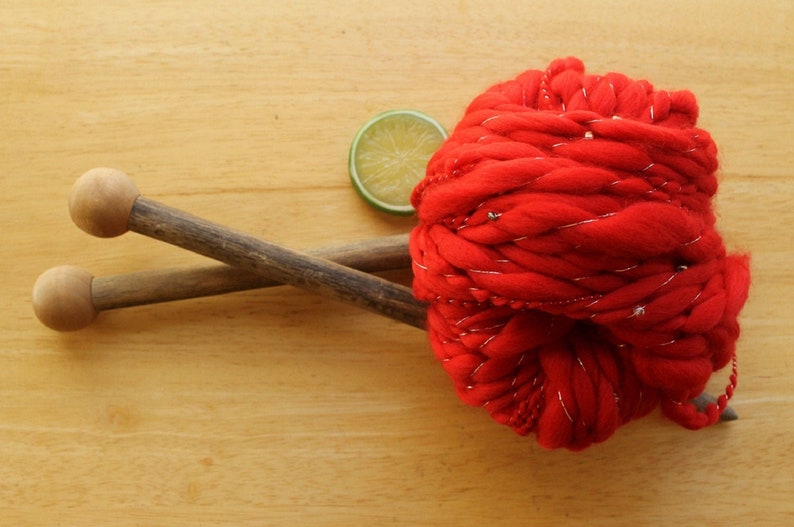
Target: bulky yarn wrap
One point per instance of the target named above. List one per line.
(567, 249)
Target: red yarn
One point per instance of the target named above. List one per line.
(567, 250)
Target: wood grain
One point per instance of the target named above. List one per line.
(277, 407)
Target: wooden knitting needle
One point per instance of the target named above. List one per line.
(68, 298)
(105, 202)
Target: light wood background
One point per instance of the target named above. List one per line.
(279, 408)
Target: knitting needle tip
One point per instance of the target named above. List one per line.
(705, 399)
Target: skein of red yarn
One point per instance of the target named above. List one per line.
(567, 249)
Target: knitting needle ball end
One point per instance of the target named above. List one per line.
(101, 202)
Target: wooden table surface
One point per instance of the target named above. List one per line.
(280, 408)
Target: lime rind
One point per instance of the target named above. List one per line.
(388, 157)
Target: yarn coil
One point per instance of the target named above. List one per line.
(567, 250)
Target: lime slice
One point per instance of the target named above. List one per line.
(389, 155)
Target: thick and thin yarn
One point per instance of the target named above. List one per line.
(567, 250)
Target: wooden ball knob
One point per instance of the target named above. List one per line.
(101, 202)
(62, 298)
